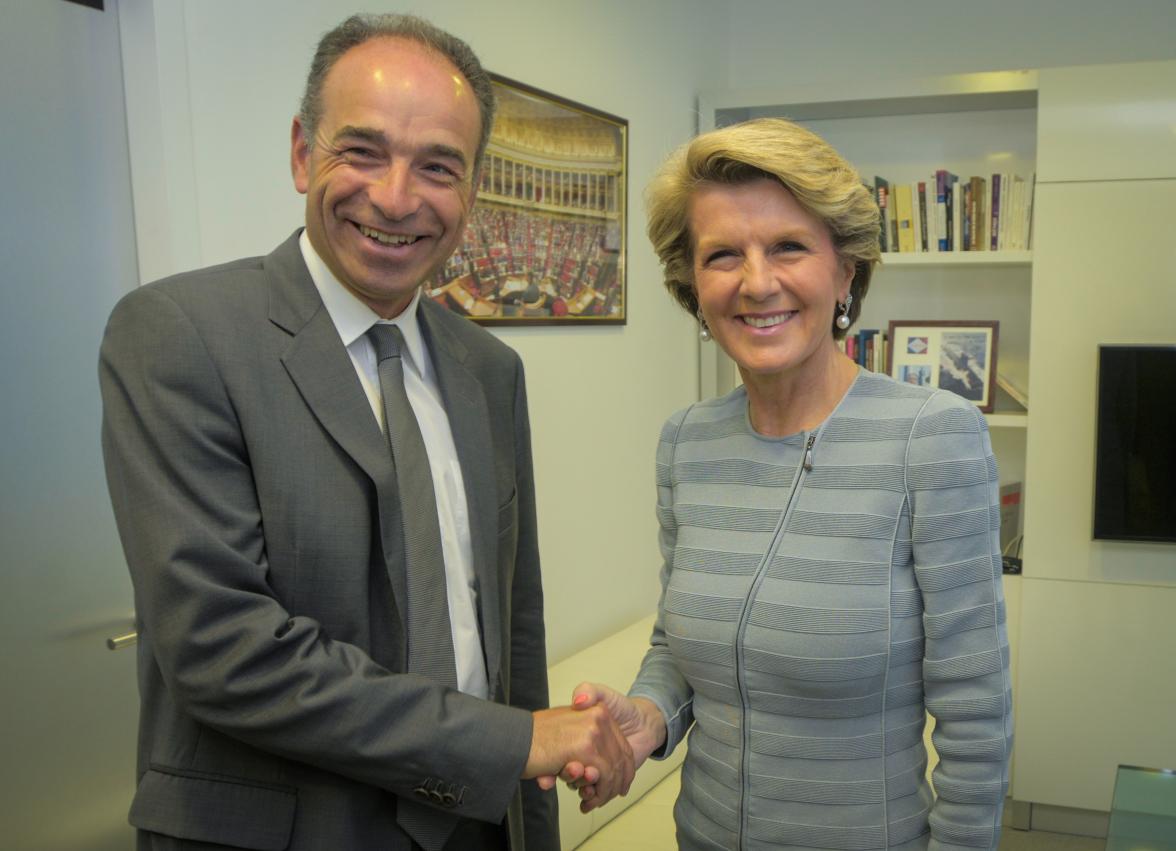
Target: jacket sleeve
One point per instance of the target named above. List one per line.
(955, 528)
(528, 648)
(659, 679)
(230, 655)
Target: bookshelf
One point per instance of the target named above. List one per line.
(959, 258)
(903, 130)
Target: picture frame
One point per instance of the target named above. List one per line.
(546, 241)
(955, 355)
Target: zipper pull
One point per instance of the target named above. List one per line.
(808, 452)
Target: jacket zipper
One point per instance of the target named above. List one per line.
(806, 466)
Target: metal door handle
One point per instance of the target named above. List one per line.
(118, 642)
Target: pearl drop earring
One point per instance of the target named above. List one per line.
(843, 319)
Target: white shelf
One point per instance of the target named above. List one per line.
(957, 258)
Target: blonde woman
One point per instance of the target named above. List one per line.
(830, 537)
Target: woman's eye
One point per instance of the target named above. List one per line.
(719, 255)
(441, 169)
(789, 245)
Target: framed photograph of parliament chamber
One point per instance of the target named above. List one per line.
(545, 244)
(956, 356)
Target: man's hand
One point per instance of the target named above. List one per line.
(639, 720)
(565, 737)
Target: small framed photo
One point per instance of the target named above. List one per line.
(959, 356)
(545, 243)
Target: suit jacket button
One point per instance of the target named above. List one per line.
(448, 799)
(435, 796)
(421, 792)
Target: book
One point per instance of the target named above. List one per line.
(924, 245)
(865, 347)
(1010, 516)
(1019, 226)
(953, 212)
(942, 190)
(916, 219)
(994, 241)
(902, 214)
(882, 197)
(1008, 217)
(978, 215)
(933, 231)
(966, 214)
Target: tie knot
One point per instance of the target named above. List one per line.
(387, 339)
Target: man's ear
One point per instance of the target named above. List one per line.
(299, 156)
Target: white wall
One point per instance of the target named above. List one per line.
(210, 114)
(773, 41)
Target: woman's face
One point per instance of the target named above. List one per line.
(767, 276)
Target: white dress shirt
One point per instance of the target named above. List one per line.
(352, 319)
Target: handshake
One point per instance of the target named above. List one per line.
(596, 744)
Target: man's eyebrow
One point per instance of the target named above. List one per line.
(449, 152)
(367, 134)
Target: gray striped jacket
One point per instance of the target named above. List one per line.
(820, 593)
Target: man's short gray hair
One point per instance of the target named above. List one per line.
(364, 27)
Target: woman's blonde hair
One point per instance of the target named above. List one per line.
(817, 176)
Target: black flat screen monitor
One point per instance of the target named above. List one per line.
(1135, 463)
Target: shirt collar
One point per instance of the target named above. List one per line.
(352, 318)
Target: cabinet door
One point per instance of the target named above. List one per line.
(1107, 122)
(1102, 273)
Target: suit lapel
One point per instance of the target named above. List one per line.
(469, 418)
(321, 369)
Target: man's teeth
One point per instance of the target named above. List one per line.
(387, 238)
(766, 321)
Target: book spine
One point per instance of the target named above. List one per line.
(916, 221)
(941, 217)
(994, 243)
(892, 221)
(1009, 215)
(881, 195)
(985, 214)
(957, 217)
(966, 217)
(923, 242)
(975, 215)
(902, 212)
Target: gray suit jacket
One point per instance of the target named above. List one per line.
(258, 510)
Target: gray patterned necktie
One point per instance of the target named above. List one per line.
(430, 640)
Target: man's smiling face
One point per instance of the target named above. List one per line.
(389, 174)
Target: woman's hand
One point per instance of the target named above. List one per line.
(641, 723)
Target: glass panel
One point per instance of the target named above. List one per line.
(1143, 814)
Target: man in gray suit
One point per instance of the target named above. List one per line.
(258, 487)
